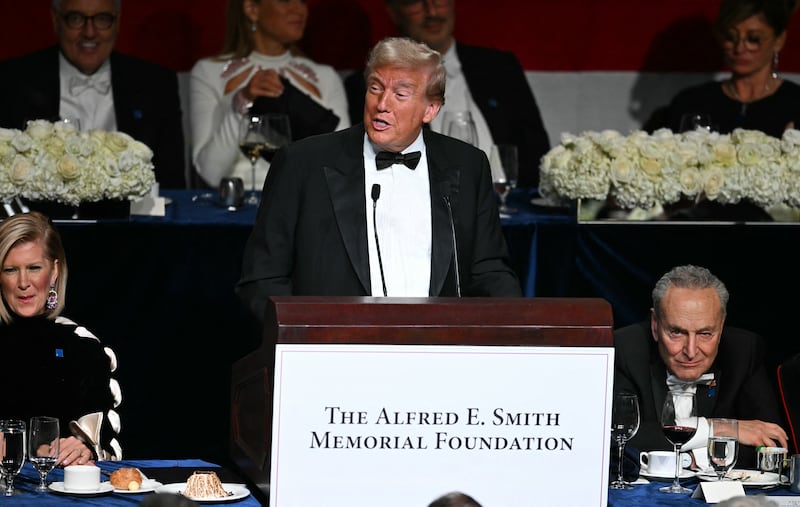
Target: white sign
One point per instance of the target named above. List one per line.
(391, 425)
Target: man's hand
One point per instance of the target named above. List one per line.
(758, 433)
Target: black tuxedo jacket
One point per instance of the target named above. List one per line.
(146, 104)
(744, 390)
(310, 236)
(500, 89)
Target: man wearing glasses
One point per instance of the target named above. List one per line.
(83, 78)
(487, 82)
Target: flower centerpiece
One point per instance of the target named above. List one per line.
(643, 170)
(53, 162)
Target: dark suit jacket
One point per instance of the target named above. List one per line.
(146, 104)
(744, 389)
(500, 89)
(310, 237)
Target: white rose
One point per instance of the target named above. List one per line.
(690, 181)
(22, 142)
(20, 170)
(68, 167)
(39, 129)
(748, 154)
(713, 180)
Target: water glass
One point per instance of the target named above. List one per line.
(12, 451)
(723, 445)
(624, 425)
(43, 446)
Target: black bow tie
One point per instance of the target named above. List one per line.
(385, 159)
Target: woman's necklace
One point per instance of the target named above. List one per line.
(735, 94)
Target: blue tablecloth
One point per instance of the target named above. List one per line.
(648, 494)
(28, 479)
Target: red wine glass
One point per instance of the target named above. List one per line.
(679, 423)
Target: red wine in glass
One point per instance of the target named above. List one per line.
(679, 423)
(679, 435)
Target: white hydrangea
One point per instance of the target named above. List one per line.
(643, 170)
(54, 162)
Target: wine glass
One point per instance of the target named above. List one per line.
(723, 445)
(459, 124)
(694, 121)
(504, 163)
(679, 423)
(261, 135)
(12, 451)
(624, 425)
(43, 446)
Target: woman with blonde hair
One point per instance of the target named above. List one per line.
(259, 70)
(52, 366)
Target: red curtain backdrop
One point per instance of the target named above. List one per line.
(567, 35)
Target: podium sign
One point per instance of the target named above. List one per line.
(400, 425)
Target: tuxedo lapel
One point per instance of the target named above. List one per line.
(707, 396)
(443, 182)
(345, 178)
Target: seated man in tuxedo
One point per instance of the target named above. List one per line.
(686, 346)
(487, 82)
(384, 207)
(84, 78)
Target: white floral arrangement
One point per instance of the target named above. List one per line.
(54, 162)
(643, 170)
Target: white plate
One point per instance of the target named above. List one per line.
(685, 474)
(238, 491)
(58, 487)
(748, 478)
(147, 486)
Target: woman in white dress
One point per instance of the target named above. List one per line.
(259, 69)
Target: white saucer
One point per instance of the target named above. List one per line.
(685, 474)
(58, 487)
(237, 492)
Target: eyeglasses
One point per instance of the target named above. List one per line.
(77, 20)
(751, 42)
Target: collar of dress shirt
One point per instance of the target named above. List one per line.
(66, 71)
(370, 151)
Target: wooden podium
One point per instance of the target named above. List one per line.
(572, 322)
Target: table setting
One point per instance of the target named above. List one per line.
(693, 478)
(28, 455)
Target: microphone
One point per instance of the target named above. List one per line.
(445, 189)
(376, 193)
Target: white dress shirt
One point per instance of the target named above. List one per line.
(403, 218)
(92, 103)
(457, 98)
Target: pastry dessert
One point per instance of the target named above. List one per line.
(126, 478)
(204, 484)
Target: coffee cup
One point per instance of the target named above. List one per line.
(231, 193)
(661, 463)
(81, 478)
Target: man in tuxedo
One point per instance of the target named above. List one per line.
(381, 208)
(687, 347)
(85, 79)
(487, 82)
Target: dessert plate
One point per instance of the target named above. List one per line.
(748, 478)
(147, 486)
(237, 492)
